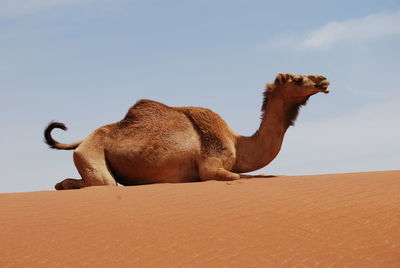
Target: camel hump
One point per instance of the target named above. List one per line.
(145, 107)
(212, 129)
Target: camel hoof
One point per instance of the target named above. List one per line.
(58, 186)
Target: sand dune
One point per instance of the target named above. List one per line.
(325, 220)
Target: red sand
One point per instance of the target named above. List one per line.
(326, 220)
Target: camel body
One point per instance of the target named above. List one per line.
(156, 143)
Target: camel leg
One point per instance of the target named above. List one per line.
(69, 184)
(225, 175)
(92, 167)
(208, 171)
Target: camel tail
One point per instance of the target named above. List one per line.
(55, 144)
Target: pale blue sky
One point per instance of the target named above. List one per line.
(85, 62)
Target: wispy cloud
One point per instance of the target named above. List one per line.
(371, 27)
(374, 26)
(15, 8)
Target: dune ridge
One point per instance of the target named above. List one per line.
(320, 220)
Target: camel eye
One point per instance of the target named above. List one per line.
(298, 79)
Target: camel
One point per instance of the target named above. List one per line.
(156, 143)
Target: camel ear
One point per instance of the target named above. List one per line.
(280, 78)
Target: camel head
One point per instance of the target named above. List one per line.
(298, 88)
(294, 90)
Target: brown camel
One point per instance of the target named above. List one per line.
(156, 143)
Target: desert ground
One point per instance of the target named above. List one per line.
(335, 220)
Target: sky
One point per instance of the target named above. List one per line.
(85, 62)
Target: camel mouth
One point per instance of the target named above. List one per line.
(323, 87)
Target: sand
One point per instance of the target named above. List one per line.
(284, 221)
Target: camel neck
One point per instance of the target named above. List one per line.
(260, 149)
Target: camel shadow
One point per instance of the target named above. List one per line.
(245, 176)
